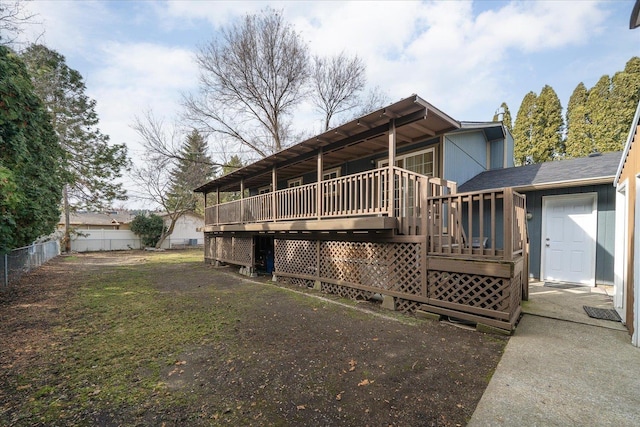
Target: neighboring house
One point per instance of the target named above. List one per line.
(186, 232)
(101, 231)
(372, 207)
(627, 268)
(570, 215)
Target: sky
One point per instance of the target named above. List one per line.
(464, 57)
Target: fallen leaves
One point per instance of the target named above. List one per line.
(365, 382)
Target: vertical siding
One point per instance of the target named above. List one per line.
(466, 156)
(605, 239)
(510, 162)
(497, 154)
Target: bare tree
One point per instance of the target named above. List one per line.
(156, 175)
(374, 99)
(251, 78)
(160, 142)
(337, 82)
(13, 18)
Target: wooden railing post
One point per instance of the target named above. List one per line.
(217, 205)
(319, 186)
(507, 218)
(274, 188)
(392, 163)
(241, 201)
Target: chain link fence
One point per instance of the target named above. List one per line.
(22, 260)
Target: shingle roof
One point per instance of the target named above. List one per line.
(99, 218)
(561, 173)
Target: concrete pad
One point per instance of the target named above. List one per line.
(560, 373)
(567, 304)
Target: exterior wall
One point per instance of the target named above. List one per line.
(465, 156)
(496, 160)
(187, 229)
(510, 160)
(605, 240)
(105, 240)
(629, 172)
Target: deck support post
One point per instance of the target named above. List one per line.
(388, 302)
(319, 185)
(392, 163)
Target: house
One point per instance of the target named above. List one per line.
(372, 207)
(627, 245)
(570, 215)
(101, 231)
(187, 231)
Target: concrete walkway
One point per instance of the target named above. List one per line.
(562, 368)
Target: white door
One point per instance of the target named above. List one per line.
(569, 227)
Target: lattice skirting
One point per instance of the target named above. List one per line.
(474, 291)
(384, 266)
(406, 305)
(236, 250)
(346, 291)
(296, 281)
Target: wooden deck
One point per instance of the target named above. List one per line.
(457, 254)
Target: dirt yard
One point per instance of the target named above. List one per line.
(139, 338)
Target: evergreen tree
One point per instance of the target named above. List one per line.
(578, 142)
(506, 116)
(548, 144)
(193, 168)
(30, 174)
(92, 165)
(601, 118)
(524, 129)
(625, 94)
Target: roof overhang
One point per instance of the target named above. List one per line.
(634, 22)
(415, 120)
(603, 180)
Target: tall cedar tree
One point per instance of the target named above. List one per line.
(524, 129)
(251, 79)
(549, 144)
(538, 128)
(506, 116)
(601, 118)
(579, 142)
(625, 95)
(92, 165)
(30, 174)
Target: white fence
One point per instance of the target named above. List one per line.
(22, 260)
(123, 240)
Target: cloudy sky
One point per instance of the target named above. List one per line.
(463, 57)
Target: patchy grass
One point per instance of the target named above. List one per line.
(159, 338)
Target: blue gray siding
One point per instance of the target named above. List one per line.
(606, 228)
(465, 156)
(497, 154)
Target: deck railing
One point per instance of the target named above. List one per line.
(489, 224)
(482, 224)
(354, 195)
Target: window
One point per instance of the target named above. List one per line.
(330, 174)
(297, 182)
(264, 190)
(422, 162)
